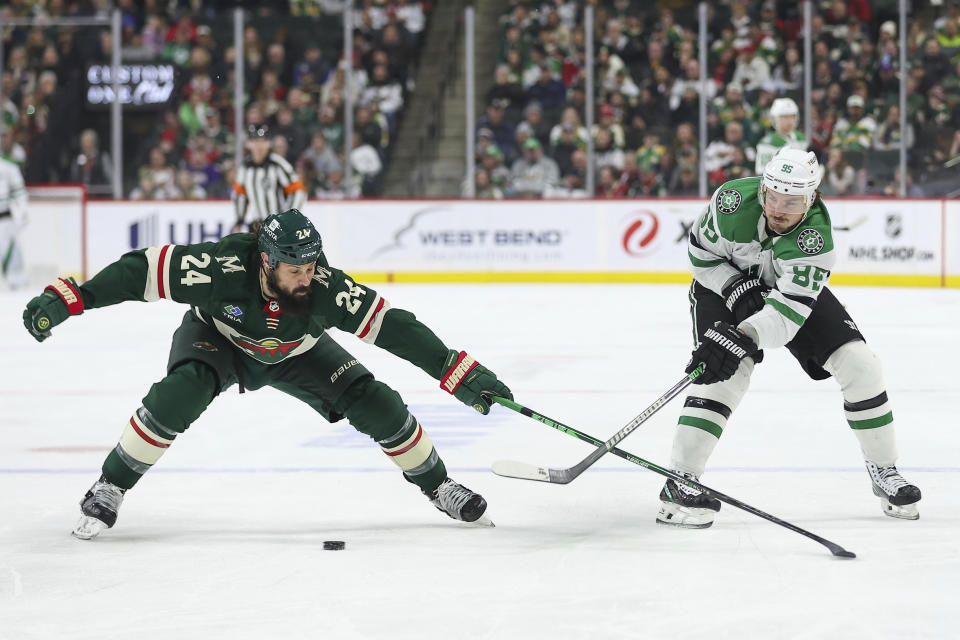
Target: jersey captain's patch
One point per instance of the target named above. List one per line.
(810, 241)
(728, 200)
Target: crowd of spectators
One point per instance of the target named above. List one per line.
(531, 138)
(294, 81)
(531, 141)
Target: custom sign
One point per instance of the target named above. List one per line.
(143, 86)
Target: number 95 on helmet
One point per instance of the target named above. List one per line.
(289, 237)
(792, 172)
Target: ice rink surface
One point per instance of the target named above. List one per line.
(223, 538)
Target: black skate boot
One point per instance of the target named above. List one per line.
(459, 503)
(898, 498)
(683, 506)
(98, 509)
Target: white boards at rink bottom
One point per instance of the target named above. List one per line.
(882, 241)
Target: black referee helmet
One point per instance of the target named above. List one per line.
(255, 131)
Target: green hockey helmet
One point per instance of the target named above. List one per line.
(289, 237)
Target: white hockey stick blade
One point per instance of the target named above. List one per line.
(521, 470)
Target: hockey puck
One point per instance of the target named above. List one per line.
(334, 545)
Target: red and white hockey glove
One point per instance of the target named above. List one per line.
(468, 380)
(58, 302)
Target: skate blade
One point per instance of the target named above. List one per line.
(482, 521)
(88, 528)
(673, 515)
(902, 512)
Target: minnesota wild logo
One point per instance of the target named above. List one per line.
(729, 200)
(810, 241)
(268, 350)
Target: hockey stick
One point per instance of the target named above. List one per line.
(853, 225)
(529, 472)
(565, 476)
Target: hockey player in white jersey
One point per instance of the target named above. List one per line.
(761, 255)
(785, 117)
(13, 216)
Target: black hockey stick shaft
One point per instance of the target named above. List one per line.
(834, 548)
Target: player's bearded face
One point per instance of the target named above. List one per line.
(291, 283)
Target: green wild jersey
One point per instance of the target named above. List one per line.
(730, 238)
(773, 142)
(853, 136)
(221, 281)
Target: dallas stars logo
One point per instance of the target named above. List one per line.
(810, 241)
(728, 200)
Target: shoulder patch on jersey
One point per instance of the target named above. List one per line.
(322, 276)
(728, 200)
(233, 312)
(230, 264)
(810, 241)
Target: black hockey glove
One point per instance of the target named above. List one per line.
(721, 349)
(469, 381)
(744, 297)
(58, 302)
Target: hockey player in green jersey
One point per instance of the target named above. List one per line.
(260, 305)
(761, 254)
(784, 114)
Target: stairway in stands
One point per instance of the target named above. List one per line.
(428, 159)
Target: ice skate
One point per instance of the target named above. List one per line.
(683, 506)
(898, 498)
(98, 509)
(460, 503)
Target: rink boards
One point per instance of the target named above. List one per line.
(883, 241)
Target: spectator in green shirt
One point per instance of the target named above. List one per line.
(855, 132)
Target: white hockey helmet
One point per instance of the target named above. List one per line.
(792, 172)
(784, 107)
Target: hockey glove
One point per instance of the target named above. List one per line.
(468, 380)
(721, 349)
(58, 302)
(744, 297)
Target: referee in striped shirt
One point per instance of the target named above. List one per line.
(266, 183)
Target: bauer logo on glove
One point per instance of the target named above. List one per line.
(58, 302)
